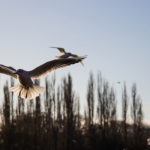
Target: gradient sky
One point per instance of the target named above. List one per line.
(115, 34)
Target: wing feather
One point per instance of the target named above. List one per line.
(8, 70)
(62, 50)
(52, 65)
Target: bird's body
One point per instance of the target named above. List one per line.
(24, 78)
(66, 54)
(26, 88)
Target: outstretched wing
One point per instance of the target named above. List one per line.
(62, 50)
(8, 70)
(52, 65)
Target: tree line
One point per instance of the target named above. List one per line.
(54, 121)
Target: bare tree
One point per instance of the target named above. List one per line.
(6, 112)
(69, 103)
(125, 110)
(11, 100)
(140, 114)
(137, 115)
(6, 105)
(59, 108)
(100, 98)
(105, 104)
(113, 105)
(134, 107)
(90, 99)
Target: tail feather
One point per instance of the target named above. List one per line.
(25, 93)
(33, 93)
(29, 93)
(15, 88)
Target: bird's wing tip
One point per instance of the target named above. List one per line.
(82, 57)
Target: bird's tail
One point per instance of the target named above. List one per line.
(27, 93)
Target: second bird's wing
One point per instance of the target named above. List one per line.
(74, 55)
(53, 65)
(62, 50)
(8, 71)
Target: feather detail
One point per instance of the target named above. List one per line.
(27, 93)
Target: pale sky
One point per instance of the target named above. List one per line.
(115, 34)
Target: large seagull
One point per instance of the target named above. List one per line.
(26, 88)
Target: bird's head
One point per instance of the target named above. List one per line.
(19, 71)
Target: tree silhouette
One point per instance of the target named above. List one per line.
(54, 121)
(124, 111)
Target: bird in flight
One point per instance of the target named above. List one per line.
(66, 54)
(26, 88)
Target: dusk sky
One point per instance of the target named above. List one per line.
(115, 34)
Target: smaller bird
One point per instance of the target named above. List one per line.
(66, 54)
